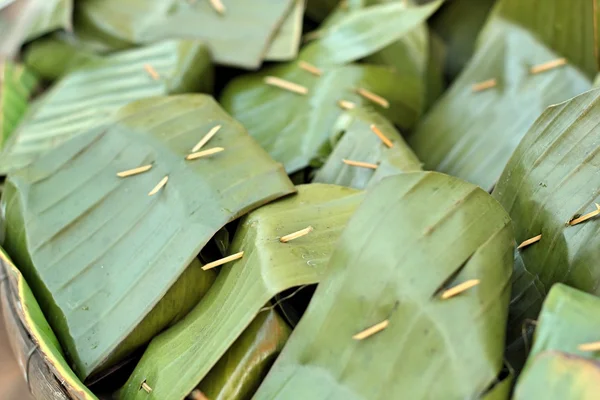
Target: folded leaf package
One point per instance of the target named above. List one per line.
(238, 33)
(292, 125)
(557, 376)
(550, 188)
(88, 96)
(177, 360)
(360, 158)
(512, 77)
(382, 324)
(101, 250)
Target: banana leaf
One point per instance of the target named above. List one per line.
(177, 360)
(17, 84)
(472, 135)
(569, 318)
(240, 371)
(551, 178)
(286, 43)
(358, 143)
(50, 16)
(22, 20)
(565, 26)
(445, 231)
(89, 96)
(240, 37)
(41, 333)
(54, 56)
(458, 23)
(363, 31)
(559, 376)
(98, 250)
(294, 129)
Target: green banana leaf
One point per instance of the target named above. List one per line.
(177, 360)
(472, 135)
(96, 288)
(445, 232)
(286, 43)
(559, 376)
(293, 128)
(458, 23)
(551, 178)
(22, 20)
(41, 333)
(50, 16)
(240, 37)
(566, 26)
(89, 96)
(240, 371)
(569, 318)
(363, 31)
(358, 143)
(54, 56)
(17, 84)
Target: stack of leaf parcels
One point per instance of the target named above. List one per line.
(289, 199)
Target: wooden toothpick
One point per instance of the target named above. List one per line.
(146, 387)
(359, 164)
(586, 216)
(373, 97)
(536, 69)
(372, 330)
(594, 346)
(198, 395)
(204, 153)
(206, 138)
(134, 171)
(224, 260)
(530, 241)
(159, 186)
(458, 289)
(286, 85)
(346, 105)
(152, 72)
(381, 136)
(296, 235)
(310, 68)
(490, 83)
(218, 6)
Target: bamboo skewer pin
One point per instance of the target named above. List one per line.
(152, 72)
(134, 171)
(458, 289)
(359, 164)
(346, 105)
(595, 346)
(371, 330)
(206, 138)
(373, 97)
(490, 83)
(198, 395)
(223, 260)
(530, 241)
(296, 235)
(146, 387)
(159, 186)
(586, 216)
(381, 136)
(204, 153)
(536, 69)
(218, 6)
(286, 85)
(313, 35)
(310, 68)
